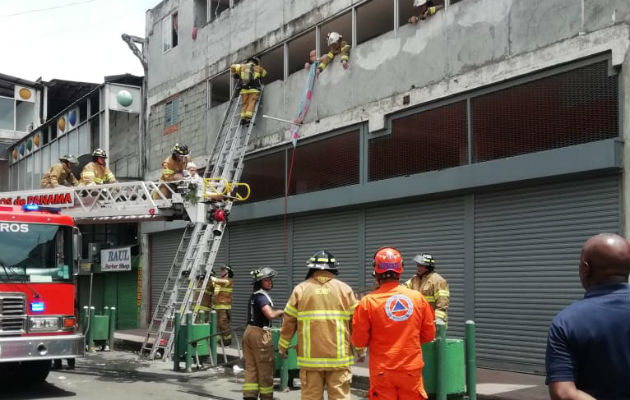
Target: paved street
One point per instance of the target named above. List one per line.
(119, 375)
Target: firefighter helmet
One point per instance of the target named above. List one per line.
(425, 259)
(69, 158)
(99, 153)
(254, 60)
(227, 268)
(333, 37)
(180, 150)
(263, 273)
(388, 259)
(323, 260)
(418, 3)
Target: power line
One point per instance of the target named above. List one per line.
(46, 9)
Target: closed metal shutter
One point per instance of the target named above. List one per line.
(435, 227)
(335, 232)
(254, 245)
(527, 248)
(163, 248)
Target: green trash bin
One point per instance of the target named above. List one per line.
(455, 367)
(287, 369)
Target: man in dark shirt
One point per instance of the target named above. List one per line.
(588, 347)
(257, 343)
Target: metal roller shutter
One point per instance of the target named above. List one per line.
(337, 233)
(163, 248)
(255, 245)
(527, 246)
(435, 227)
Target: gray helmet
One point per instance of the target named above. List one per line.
(425, 259)
(262, 273)
(70, 159)
(322, 260)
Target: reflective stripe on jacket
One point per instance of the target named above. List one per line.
(173, 170)
(392, 322)
(435, 291)
(250, 76)
(95, 173)
(222, 293)
(57, 175)
(343, 48)
(320, 309)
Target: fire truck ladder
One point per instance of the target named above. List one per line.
(194, 260)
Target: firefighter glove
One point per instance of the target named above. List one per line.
(282, 352)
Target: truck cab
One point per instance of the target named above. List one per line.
(39, 253)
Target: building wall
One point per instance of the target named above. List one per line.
(472, 44)
(123, 145)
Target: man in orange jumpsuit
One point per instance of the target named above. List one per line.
(392, 322)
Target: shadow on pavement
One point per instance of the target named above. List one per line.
(19, 391)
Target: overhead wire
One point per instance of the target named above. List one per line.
(46, 9)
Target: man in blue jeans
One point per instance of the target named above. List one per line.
(588, 347)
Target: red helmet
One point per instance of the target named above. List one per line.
(388, 259)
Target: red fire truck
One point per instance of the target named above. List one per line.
(39, 254)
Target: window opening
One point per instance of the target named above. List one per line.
(299, 49)
(375, 18)
(219, 89)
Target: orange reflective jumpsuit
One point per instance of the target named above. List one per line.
(392, 322)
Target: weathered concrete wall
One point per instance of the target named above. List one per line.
(473, 44)
(192, 129)
(123, 144)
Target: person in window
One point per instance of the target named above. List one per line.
(312, 58)
(61, 173)
(336, 45)
(426, 8)
(249, 76)
(96, 172)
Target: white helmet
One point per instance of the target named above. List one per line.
(333, 37)
(418, 3)
(191, 165)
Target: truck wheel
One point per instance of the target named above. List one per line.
(35, 371)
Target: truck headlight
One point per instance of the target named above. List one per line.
(44, 323)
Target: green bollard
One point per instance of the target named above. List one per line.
(90, 338)
(189, 346)
(440, 389)
(84, 313)
(284, 373)
(112, 327)
(213, 336)
(176, 332)
(471, 363)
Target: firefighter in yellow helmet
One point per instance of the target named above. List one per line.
(320, 309)
(223, 302)
(336, 45)
(249, 75)
(432, 285)
(257, 344)
(96, 172)
(173, 167)
(61, 173)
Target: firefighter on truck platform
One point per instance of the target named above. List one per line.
(433, 287)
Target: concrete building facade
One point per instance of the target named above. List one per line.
(492, 135)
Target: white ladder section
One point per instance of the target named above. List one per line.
(192, 267)
(124, 201)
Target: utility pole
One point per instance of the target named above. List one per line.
(138, 46)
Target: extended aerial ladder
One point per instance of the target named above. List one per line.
(194, 260)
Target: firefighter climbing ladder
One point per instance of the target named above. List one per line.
(200, 244)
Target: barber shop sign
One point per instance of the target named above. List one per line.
(116, 260)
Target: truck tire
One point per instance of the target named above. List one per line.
(35, 371)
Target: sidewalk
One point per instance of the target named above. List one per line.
(491, 384)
